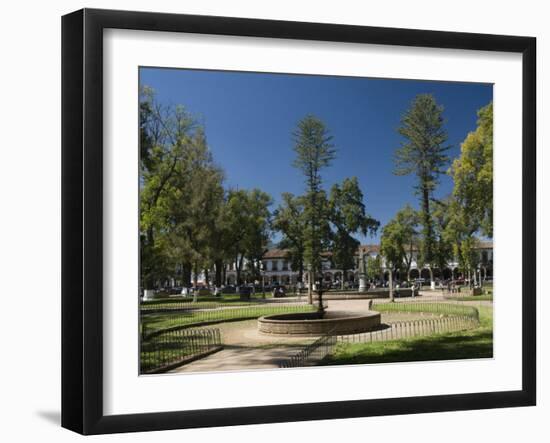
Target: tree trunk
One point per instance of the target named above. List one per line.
(238, 264)
(218, 276)
(390, 275)
(186, 274)
(427, 246)
(319, 287)
(149, 282)
(309, 288)
(241, 259)
(195, 274)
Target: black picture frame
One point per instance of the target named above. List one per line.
(82, 218)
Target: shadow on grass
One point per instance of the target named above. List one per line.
(474, 344)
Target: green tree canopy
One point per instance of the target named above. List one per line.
(408, 220)
(472, 173)
(443, 250)
(470, 208)
(170, 138)
(348, 216)
(314, 151)
(373, 267)
(248, 217)
(392, 247)
(289, 219)
(188, 221)
(423, 153)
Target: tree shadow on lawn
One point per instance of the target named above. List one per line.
(478, 344)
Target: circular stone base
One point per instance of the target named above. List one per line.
(310, 324)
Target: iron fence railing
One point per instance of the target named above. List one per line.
(154, 323)
(413, 328)
(170, 349)
(454, 309)
(453, 318)
(311, 353)
(167, 305)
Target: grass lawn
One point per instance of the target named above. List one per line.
(427, 307)
(475, 343)
(486, 297)
(155, 322)
(205, 302)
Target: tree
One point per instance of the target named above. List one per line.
(247, 216)
(443, 249)
(408, 221)
(373, 267)
(392, 248)
(258, 229)
(220, 251)
(423, 154)
(472, 173)
(289, 220)
(314, 151)
(459, 232)
(190, 218)
(471, 205)
(166, 134)
(348, 216)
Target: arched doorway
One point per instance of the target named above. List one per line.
(447, 274)
(425, 274)
(414, 274)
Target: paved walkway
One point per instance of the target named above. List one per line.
(245, 348)
(238, 358)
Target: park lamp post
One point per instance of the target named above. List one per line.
(319, 290)
(309, 284)
(262, 272)
(362, 272)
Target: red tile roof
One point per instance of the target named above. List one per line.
(276, 253)
(370, 248)
(283, 253)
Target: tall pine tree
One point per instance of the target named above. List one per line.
(314, 151)
(423, 153)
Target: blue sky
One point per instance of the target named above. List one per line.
(249, 119)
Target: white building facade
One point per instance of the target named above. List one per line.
(277, 268)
